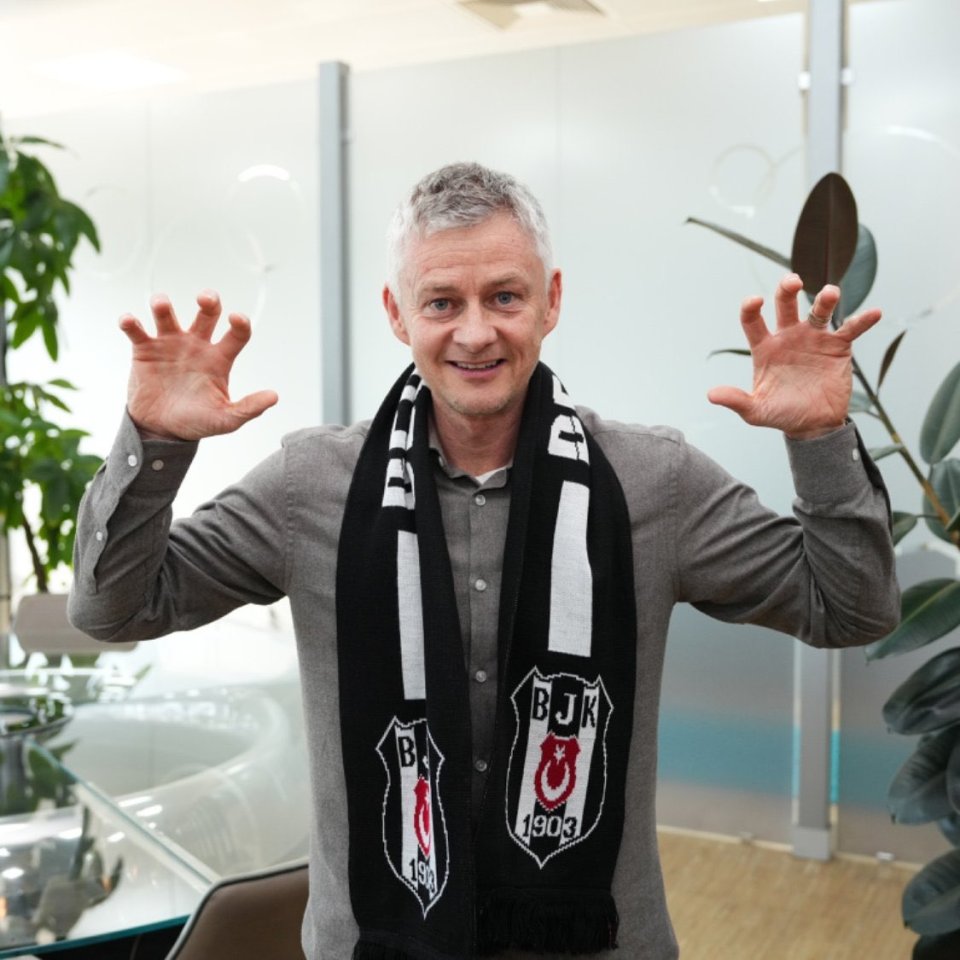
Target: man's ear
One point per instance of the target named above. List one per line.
(397, 324)
(554, 296)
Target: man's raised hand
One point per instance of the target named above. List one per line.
(179, 379)
(801, 370)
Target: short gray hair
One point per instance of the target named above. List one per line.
(463, 195)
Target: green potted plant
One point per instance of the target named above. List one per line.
(43, 471)
(831, 246)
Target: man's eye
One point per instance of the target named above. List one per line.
(505, 298)
(441, 304)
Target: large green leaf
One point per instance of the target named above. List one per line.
(826, 236)
(743, 241)
(918, 793)
(859, 402)
(945, 947)
(941, 425)
(949, 826)
(928, 610)
(945, 480)
(903, 523)
(929, 699)
(858, 280)
(931, 900)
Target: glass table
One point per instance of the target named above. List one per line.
(117, 815)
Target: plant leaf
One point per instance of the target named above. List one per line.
(743, 241)
(859, 402)
(931, 900)
(946, 947)
(858, 280)
(36, 140)
(826, 236)
(888, 357)
(941, 426)
(918, 793)
(903, 523)
(949, 826)
(945, 480)
(953, 778)
(739, 351)
(929, 699)
(878, 453)
(928, 610)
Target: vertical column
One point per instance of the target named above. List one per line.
(814, 669)
(334, 252)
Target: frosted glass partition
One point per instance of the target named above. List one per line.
(622, 141)
(189, 192)
(902, 157)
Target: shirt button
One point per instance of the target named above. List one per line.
(480, 584)
(132, 460)
(480, 765)
(157, 465)
(479, 499)
(855, 454)
(480, 676)
(99, 536)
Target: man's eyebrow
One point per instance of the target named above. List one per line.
(507, 279)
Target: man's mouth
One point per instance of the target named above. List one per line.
(487, 365)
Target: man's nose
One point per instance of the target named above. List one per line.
(474, 330)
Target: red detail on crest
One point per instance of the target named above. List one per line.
(421, 815)
(557, 774)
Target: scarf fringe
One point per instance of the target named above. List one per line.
(575, 923)
(364, 950)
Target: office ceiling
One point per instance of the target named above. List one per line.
(59, 54)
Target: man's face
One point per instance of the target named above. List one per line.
(474, 306)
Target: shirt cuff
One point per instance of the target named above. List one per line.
(833, 467)
(142, 466)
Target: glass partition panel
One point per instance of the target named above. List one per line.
(622, 141)
(902, 158)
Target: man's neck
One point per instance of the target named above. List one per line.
(477, 445)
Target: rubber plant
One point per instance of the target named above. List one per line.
(43, 472)
(831, 246)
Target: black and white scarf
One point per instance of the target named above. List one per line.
(430, 879)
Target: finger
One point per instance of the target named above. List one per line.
(733, 398)
(754, 326)
(133, 329)
(853, 327)
(163, 315)
(785, 300)
(824, 304)
(236, 337)
(208, 314)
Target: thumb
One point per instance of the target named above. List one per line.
(253, 404)
(733, 398)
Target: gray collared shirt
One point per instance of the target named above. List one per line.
(699, 536)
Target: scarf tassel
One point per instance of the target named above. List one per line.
(364, 950)
(574, 923)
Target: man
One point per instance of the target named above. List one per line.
(481, 581)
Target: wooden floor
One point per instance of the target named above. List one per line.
(741, 901)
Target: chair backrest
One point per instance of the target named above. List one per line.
(253, 917)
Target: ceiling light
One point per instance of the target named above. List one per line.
(505, 13)
(109, 70)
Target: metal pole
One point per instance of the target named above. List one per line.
(814, 669)
(334, 236)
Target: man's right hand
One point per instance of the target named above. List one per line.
(179, 379)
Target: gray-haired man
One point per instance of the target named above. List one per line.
(481, 580)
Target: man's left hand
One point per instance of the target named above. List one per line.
(802, 370)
